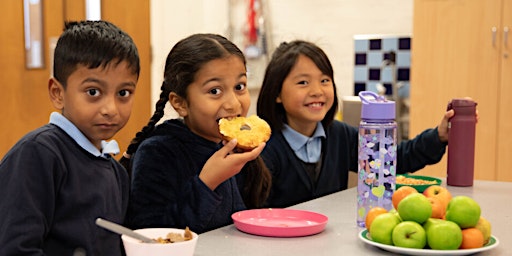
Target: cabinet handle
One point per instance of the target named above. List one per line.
(494, 29)
(505, 36)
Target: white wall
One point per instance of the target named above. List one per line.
(329, 23)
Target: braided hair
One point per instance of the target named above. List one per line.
(185, 59)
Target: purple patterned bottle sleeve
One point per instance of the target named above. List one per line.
(376, 159)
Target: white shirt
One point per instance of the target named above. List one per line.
(110, 147)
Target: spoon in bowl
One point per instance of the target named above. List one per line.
(116, 228)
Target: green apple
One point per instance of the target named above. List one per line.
(431, 221)
(394, 211)
(464, 211)
(443, 234)
(415, 207)
(409, 234)
(381, 229)
(485, 226)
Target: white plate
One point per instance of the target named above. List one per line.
(365, 237)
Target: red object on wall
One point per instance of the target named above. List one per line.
(252, 33)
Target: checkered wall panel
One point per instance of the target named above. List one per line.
(370, 69)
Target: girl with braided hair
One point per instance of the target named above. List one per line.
(182, 173)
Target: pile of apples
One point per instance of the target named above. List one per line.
(429, 220)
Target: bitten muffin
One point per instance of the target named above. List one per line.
(249, 131)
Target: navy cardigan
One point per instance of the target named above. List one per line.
(291, 183)
(166, 190)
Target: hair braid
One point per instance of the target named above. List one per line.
(146, 130)
(183, 62)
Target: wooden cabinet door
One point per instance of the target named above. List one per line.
(24, 97)
(453, 56)
(504, 149)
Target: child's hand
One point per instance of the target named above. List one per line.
(442, 129)
(224, 164)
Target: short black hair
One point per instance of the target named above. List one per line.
(92, 44)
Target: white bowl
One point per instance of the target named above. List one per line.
(134, 247)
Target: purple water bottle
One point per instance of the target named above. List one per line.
(376, 154)
(461, 143)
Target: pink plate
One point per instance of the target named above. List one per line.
(279, 222)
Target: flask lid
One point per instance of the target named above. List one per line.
(461, 103)
(374, 106)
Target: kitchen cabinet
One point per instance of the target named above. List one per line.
(463, 48)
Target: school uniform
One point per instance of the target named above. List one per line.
(166, 190)
(296, 180)
(53, 185)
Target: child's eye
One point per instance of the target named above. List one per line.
(240, 87)
(304, 82)
(215, 91)
(125, 93)
(93, 92)
(326, 81)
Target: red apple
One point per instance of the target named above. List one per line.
(438, 207)
(439, 192)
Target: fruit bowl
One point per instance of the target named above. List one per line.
(364, 236)
(421, 179)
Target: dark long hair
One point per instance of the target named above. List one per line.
(282, 61)
(181, 66)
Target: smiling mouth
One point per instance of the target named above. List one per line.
(315, 104)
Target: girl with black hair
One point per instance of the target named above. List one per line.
(309, 153)
(182, 174)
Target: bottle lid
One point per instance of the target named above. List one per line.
(374, 106)
(462, 106)
(456, 103)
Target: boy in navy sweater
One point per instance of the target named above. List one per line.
(60, 177)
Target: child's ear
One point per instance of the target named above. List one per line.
(179, 104)
(56, 93)
(278, 99)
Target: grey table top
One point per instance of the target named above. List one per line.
(340, 236)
